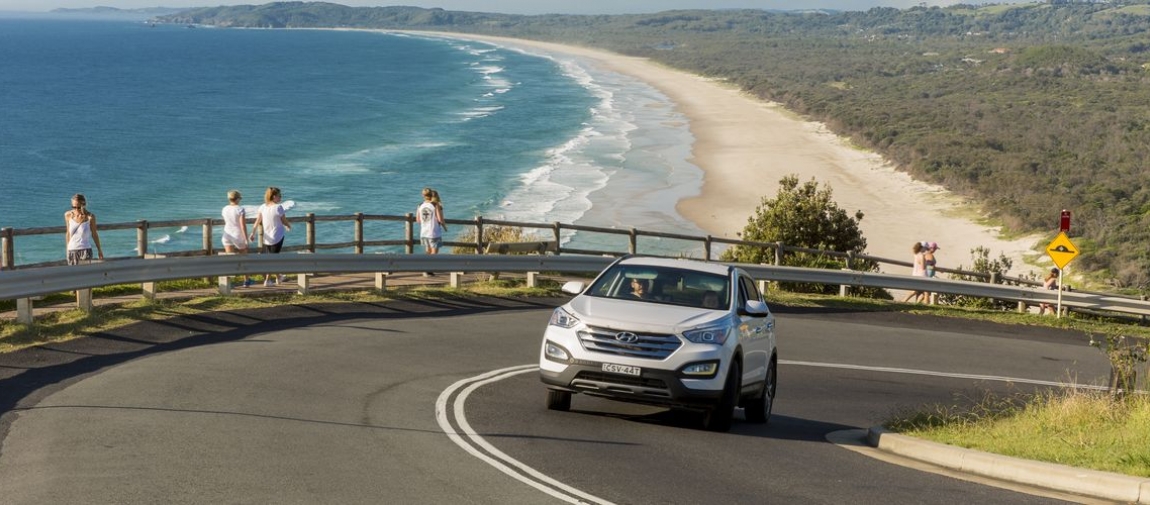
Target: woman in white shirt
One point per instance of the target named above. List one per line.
(81, 234)
(275, 225)
(235, 237)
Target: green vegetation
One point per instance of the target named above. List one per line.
(1026, 108)
(803, 216)
(1086, 429)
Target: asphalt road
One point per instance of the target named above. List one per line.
(437, 402)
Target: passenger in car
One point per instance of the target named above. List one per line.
(710, 299)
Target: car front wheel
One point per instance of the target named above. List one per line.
(719, 417)
(758, 409)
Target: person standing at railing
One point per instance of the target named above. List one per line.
(271, 216)
(235, 237)
(919, 270)
(431, 225)
(929, 262)
(81, 232)
(1051, 282)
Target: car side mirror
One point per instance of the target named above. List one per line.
(755, 308)
(573, 287)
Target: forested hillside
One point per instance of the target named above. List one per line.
(1028, 109)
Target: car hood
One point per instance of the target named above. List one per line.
(641, 316)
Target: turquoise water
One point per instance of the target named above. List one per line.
(159, 122)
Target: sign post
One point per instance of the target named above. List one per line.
(1061, 250)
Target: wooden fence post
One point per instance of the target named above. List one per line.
(309, 228)
(207, 237)
(633, 243)
(8, 258)
(707, 248)
(142, 238)
(556, 228)
(478, 235)
(358, 233)
(409, 233)
(778, 253)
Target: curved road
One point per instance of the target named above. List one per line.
(437, 402)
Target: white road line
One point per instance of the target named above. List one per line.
(912, 371)
(465, 436)
(500, 460)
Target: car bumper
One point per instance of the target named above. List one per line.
(654, 387)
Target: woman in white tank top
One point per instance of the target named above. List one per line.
(81, 232)
(235, 237)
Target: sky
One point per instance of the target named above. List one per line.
(509, 6)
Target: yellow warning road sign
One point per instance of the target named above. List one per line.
(1061, 250)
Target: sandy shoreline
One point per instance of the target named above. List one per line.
(744, 146)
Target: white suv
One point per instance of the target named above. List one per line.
(676, 333)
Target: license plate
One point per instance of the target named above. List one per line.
(622, 369)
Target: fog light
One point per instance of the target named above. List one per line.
(555, 352)
(704, 369)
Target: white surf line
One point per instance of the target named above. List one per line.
(938, 374)
(533, 477)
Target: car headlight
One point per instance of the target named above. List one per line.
(563, 319)
(714, 335)
(556, 352)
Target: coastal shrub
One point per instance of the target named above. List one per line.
(804, 215)
(986, 269)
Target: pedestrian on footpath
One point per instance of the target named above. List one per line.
(235, 237)
(271, 216)
(81, 233)
(431, 225)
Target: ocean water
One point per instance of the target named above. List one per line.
(159, 122)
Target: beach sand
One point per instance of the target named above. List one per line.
(745, 146)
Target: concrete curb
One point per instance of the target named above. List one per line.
(1092, 483)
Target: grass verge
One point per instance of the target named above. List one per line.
(1079, 428)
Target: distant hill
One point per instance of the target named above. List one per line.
(103, 11)
(1027, 109)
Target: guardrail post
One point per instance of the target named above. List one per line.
(24, 310)
(8, 258)
(358, 233)
(707, 248)
(763, 285)
(994, 278)
(456, 279)
(555, 229)
(531, 279)
(148, 291)
(409, 233)
(142, 238)
(850, 260)
(778, 253)
(380, 281)
(304, 282)
(84, 299)
(844, 289)
(309, 232)
(1021, 307)
(478, 239)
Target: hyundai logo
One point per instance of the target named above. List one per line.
(626, 337)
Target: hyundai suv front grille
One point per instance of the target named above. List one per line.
(630, 344)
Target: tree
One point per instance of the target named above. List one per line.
(803, 216)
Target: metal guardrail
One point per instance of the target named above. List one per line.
(19, 284)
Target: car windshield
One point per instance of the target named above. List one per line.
(664, 285)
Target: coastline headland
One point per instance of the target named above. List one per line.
(745, 145)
